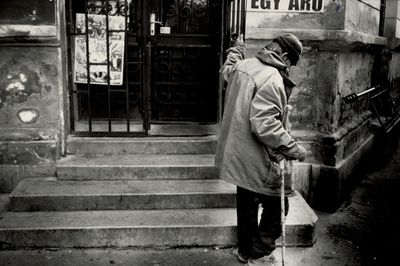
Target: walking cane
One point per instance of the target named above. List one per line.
(283, 217)
(286, 125)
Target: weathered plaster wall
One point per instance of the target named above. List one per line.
(392, 19)
(363, 16)
(395, 16)
(331, 19)
(29, 89)
(394, 75)
(354, 76)
(29, 112)
(324, 65)
(394, 67)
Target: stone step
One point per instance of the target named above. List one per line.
(141, 228)
(148, 145)
(49, 194)
(150, 166)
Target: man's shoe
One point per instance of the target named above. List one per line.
(263, 261)
(240, 257)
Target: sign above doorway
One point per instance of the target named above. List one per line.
(310, 6)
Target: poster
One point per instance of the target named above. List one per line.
(97, 36)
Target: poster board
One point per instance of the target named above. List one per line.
(97, 37)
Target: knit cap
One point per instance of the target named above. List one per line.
(291, 45)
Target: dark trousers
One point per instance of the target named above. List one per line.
(258, 240)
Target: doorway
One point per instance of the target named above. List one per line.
(160, 68)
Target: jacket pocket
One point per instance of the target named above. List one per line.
(274, 177)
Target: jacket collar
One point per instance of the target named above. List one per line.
(273, 59)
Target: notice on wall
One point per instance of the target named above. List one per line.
(97, 36)
(310, 6)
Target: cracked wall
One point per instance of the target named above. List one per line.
(29, 113)
(29, 91)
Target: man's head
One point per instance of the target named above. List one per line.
(291, 47)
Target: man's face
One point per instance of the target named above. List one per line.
(286, 60)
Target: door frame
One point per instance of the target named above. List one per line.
(147, 71)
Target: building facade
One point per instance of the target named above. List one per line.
(159, 76)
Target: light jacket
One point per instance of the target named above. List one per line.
(252, 135)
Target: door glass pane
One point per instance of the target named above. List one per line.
(32, 12)
(186, 16)
(185, 63)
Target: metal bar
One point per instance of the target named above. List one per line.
(82, 34)
(377, 115)
(382, 107)
(366, 92)
(382, 18)
(232, 26)
(379, 94)
(243, 25)
(394, 122)
(98, 64)
(69, 60)
(147, 69)
(185, 45)
(108, 67)
(117, 30)
(354, 97)
(238, 17)
(177, 83)
(110, 134)
(126, 65)
(88, 65)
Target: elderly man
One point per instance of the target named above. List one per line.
(253, 139)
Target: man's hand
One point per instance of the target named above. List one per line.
(303, 153)
(298, 152)
(239, 42)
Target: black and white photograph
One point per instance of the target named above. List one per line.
(199, 132)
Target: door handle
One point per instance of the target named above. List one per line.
(153, 23)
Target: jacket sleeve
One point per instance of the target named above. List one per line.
(234, 54)
(265, 119)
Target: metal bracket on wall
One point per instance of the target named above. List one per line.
(383, 106)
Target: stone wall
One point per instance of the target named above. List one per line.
(31, 96)
(392, 29)
(29, 112)
(362, 16)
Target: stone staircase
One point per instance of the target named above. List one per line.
(134, 192)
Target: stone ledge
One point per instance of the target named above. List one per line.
(325, 187)
(340, 37)
(28, 152)
(335, 136)
(330, 148)
(27, 134)
(394, 44)
(40, 35)
(11, 175)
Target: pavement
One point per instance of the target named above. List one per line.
(363, 231)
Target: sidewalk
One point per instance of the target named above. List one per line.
(362, 231)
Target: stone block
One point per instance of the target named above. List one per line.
(137, 167)
(39, 194)
(11, 175)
